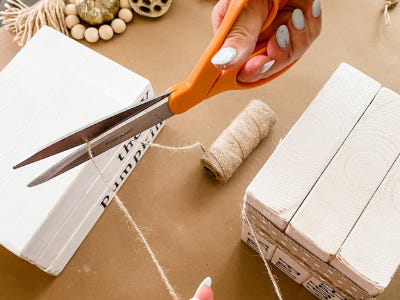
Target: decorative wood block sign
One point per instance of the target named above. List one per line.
(328, 197)
(53, 86)
(299, 160)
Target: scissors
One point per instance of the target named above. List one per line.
(203, 82)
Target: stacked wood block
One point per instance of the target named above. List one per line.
(52, 87)
(326, 205)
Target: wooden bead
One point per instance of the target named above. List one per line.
(125, 14)
(71, 20)
(118, 25)
(106, 32)
(70, 9)
(92, 35)
(71, 1)
(78, 31)
(124, 4)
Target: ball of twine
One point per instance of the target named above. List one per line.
(238, 140)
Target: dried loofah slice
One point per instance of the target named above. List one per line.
(151, 8)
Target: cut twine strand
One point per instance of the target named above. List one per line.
(176, 149)
(223, 157)
(142, 238)
(389, 4)
(260, 252)
(132, 222)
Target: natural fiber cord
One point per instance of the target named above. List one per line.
(237, 141)
(24, 21)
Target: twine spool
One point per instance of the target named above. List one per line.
(237, 141)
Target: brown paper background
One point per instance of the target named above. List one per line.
(192, 222)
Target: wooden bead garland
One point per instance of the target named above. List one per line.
(91, 33)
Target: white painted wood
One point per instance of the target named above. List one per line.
(289, 174)
(323, 290)
(337, 200)
(75, 227)
(289, 266)
(371, 253)
(266, 246)
(53, 85)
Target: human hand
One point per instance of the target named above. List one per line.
(292, 32)
(204, 291)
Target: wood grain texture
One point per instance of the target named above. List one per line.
(289, 174)
(337, 200)
(371, 253)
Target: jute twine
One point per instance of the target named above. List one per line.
(261, 254)
(25, 21)
(139, 232)
(389, 4)
(237, 141)
(241, 137)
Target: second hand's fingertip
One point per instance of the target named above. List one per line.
(206, 282)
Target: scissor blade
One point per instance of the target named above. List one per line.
(149, 117)
(89, 132)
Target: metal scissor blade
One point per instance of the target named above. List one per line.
(149, 117)
(90, 131)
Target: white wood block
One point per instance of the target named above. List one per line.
(337, 200)
(53, 85)
(322, 290)
(266, 246)
(371, 253)
(75, 227)
(289, 266)
(289, 174)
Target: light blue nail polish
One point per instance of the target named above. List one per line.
(316, 8)
(224, 56)
(282, 36)
(267, 66)
(298, 19)
(206, 282)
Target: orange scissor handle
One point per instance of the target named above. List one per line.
(206, 80)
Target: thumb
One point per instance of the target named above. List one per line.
(204, 291)
(242, 38)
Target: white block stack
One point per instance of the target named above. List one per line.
(330, 183)
(53, 86)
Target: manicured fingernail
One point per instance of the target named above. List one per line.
(267, 66)
(316, 8)
(298, 19)
(224, 56)
(282, 36)
(206, 282)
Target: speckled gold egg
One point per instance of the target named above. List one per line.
(96, 12)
